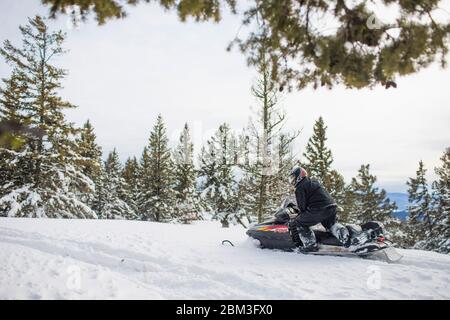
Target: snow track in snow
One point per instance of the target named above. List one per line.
(98, 259)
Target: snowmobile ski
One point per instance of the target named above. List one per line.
(388, 254)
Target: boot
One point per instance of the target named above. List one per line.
(341, 233)
(308, 239)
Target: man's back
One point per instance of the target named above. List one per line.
(311, 194)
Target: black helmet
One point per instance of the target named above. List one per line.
(296, 175)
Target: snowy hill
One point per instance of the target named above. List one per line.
(73, 259)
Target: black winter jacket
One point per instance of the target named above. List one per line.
(311, 195)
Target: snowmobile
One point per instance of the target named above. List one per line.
(367, 240)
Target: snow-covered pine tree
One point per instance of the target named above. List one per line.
(244, 148)
(440, 235)
(243, 159)
(89, 151)
(319, 160)
(267, 166)
(12, 110)
(187, 200)
(90, 157)
(419, 224)
(48, 178)
(207, 175)
(144, 207)
(130, 174)
(156, 200)
(216, 172)
(371, 204)
(100, 194)
(112, 192)
(234, 147)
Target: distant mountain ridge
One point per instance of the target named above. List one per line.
(401, 199)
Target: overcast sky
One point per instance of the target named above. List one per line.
(123, 74)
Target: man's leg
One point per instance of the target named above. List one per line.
(336, 229)
(302, 225)
(308, 238)
(329, 217)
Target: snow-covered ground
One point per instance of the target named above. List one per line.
(96, 259)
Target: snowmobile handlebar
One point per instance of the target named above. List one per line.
(284, 215)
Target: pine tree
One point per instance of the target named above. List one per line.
(187, 202)
(338, 192)
(130, 174)
(286, 161)
(48, 178)
(89, 151)
(112, 192)
(439, 239)
(10, 109)
(347, 209)
(419, 224)
(268, 156)
(371, 204)
(216, 170)
(244, 148)
(90, 158)
(319, 160)
(13, 99)
(157, 196)
(99, 200)
(13, 111)
(144, 169)
(207, 175)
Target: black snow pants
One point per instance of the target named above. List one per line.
(326, 216)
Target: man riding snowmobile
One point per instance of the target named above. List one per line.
(290, 228)
(314, 205)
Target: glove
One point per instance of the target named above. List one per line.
(291, 210)
(293, 207)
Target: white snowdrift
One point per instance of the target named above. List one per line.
(97, 259)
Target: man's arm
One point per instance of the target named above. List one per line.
(300, 196)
